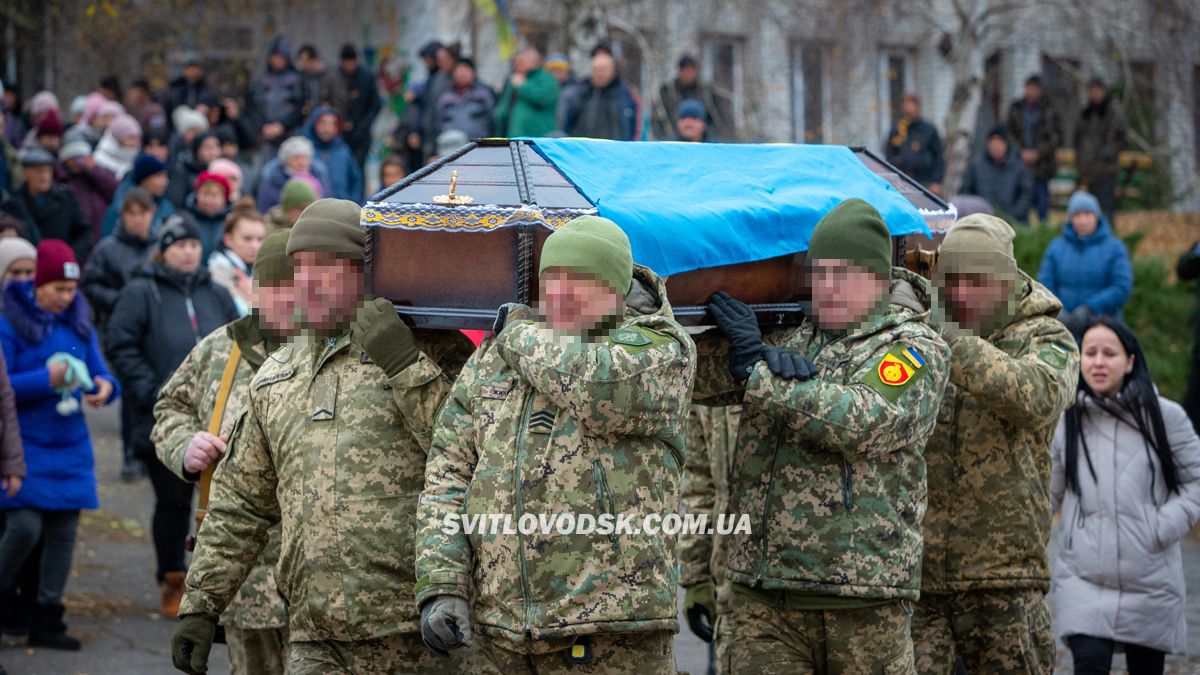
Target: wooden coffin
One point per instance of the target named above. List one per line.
(449, 264)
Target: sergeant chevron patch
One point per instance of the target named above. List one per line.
(541, 422)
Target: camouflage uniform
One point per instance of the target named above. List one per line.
(334, 450)
(985, 569)
(539, 423)
(711, 434)
(185, 405)
(831, 474)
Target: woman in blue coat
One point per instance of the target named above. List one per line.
(42, 321)
(1087, 267)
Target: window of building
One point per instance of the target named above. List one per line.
(1061, 85)
(1196, 114)
(895, 70)
(1137, 93)
(809, 92)
(721, 68)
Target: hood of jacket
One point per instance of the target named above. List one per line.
(310, 130)
(33, 323)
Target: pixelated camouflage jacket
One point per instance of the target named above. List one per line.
(543, 424)
(830, 469)
(334, 450)
(989, 458)
(185, 405)
(711, 434)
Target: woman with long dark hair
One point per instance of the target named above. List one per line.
(1126, 480)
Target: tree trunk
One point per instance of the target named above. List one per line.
(964, 109)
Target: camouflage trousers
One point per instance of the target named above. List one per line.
(606, 654)
(1000, 631)
(757, 638)
(257, 652)
(403, 654)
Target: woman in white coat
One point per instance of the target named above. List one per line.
(1126, 479)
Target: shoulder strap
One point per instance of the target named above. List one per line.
(214, 428)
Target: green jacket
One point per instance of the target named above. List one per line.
(184, 406)
(989, 458)
(334, 450)
(830, 469)
(542, 424)
(528, 110)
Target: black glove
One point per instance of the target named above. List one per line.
(510, 312)
(446, 623)
(700, 605)
(384, 336)
(192, 641)
(736, 320)
(789, 365)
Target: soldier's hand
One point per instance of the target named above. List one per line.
(384, 336)
(192, 641)
(446, 623)
(789, 365)
(510, 312)
(202, 451)
(736, 320)
(700, 605)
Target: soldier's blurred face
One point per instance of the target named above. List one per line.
(575, 302)
(1104, 361)
(329, 288)
(843, 294)
(974, 298)
(276, 304)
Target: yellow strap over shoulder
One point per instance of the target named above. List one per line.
(214, 428)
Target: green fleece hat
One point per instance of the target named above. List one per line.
(330, 226)
(592, 245)
(273, 265)
(980, 244)
(853, 231)
(297, 192)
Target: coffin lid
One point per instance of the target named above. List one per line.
(550, 181)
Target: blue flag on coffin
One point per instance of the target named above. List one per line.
(687, 206)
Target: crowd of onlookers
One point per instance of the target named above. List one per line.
(130, 221)
(1020, 158)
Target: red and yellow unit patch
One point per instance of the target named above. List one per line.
(895, 370)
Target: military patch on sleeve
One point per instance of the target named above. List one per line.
(636, 339)
(895, 372)
(272, 378)
(1055, 355)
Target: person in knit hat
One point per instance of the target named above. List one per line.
(625, 399)
(189, 164)
(48, 210)
(231, 172)
(18, 259)
(120, 145)
(836, 412)
(92, 184)
(1014, 367)
(1088, 267)
(297, 195)
(53, 359)
(158, 318)
(256, 621)
(150, 174)
(49, 133)
(208, 205)
(295, 160)
(361, 389)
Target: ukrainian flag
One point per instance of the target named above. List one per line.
(913, 357)
(506, 30)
